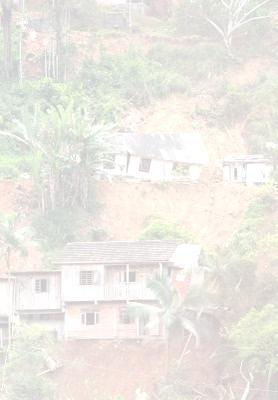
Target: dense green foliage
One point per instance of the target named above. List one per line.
(159, 228)
(28, 358)
(132, 77)
(256, 338)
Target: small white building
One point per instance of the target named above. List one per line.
(120, 14)
(156, 157)
(248, 169)
(90, 293)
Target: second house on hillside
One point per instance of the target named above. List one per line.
(248, 169)
(156, 157)
(89, 293)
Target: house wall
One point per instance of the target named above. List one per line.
(109, 325)
(195, 172)
(234, 172)
(3, 335)
(28, 299)
(110, 284)
(160, 170)
(258, 173)
(143, 273)
(6, 297)
(247, 173)
(71, 288)
(54, 324)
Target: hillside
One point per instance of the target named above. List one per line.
(74, 81)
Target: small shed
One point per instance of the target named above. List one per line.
(119, 14)
(248, 169)
(157, 157)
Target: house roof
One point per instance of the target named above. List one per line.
(124, 252)
(247, 159)
(37, 272)
(186, 148)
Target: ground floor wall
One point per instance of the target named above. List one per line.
(52, 323)
(252, 173)
(3, 335)
(106, 321)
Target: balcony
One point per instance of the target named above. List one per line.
(110, 292)
(124, 291)
(37, 301)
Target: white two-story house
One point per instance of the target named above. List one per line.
(100, 279)
(88, 295)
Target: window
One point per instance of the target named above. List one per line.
(109, 162)
(125, 317)
(90, 317)
(235, 174)
(41, 285)
(180, 169)
(88, 278)
(145, 165)
(131, 275)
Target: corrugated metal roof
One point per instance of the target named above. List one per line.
(187, 148)
(246, 159)
(123, 252)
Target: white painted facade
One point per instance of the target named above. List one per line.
(38, 291)
(247, 170)
(107, 286)
(128, 166)
(60, 301)
(5, 298)
(38, 300)
(177, 157)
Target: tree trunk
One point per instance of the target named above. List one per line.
(7, 40)
(61, 21)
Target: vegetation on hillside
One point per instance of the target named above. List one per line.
(55, 128)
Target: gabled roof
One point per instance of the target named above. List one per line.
(187, 148)
(37, 272)
(247, 159)
(124, 252)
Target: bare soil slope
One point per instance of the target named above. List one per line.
(107, 369)
(212, 212)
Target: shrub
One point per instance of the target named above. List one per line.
(27, 359)
(132, 76)
(159, 228)
(195, 62)
(56, 228)
(256, 338)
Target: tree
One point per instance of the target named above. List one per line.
(175, 312)
(236, 14)
(256, 339)
(7, 9)
(66, 148)
(11, 241)
(28, 360)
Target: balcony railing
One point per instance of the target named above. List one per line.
(120, 291)
(130, 291)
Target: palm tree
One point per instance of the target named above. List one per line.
(171, 312)
(193, 313)
(66, 147)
